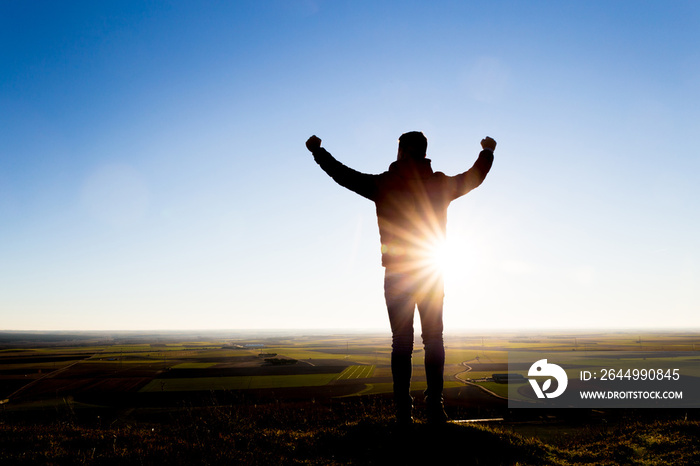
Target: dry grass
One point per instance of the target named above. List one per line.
(357, 431)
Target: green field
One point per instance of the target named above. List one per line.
(237, 383)
(354, 364)
(357, 372)
(194, 365)
(500, 389)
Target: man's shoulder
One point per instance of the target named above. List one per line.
(439, 178)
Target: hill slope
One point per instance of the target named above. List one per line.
(359, 431)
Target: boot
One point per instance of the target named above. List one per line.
(434, 370)
(401, 369)
(404, 412)
(436, 412)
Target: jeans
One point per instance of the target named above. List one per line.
(404, 291)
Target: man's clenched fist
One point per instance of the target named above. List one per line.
(314, 143)
(487, 143)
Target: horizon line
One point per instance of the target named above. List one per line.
(360, 329)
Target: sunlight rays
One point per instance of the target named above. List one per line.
(426, 253)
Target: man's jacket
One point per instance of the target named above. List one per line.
(411, 202)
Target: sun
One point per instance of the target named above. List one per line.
(447, 258)
(424, 249)
(439, 256)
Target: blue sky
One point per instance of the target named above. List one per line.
(153, 172)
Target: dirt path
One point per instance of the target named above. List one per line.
(469, 368)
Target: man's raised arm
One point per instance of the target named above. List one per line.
(361, 183)
(473, 177)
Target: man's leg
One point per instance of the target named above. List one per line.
(401, 307)
(430, 308)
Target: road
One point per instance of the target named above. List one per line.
(469, 368)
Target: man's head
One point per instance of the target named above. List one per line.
(413, 145)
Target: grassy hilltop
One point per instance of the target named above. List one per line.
(320, 399)
(357, 431)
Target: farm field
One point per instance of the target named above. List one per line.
(104, 369)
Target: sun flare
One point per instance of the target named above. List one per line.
(439, 256)
(448, 258)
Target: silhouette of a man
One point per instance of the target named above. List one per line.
(411, 202)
